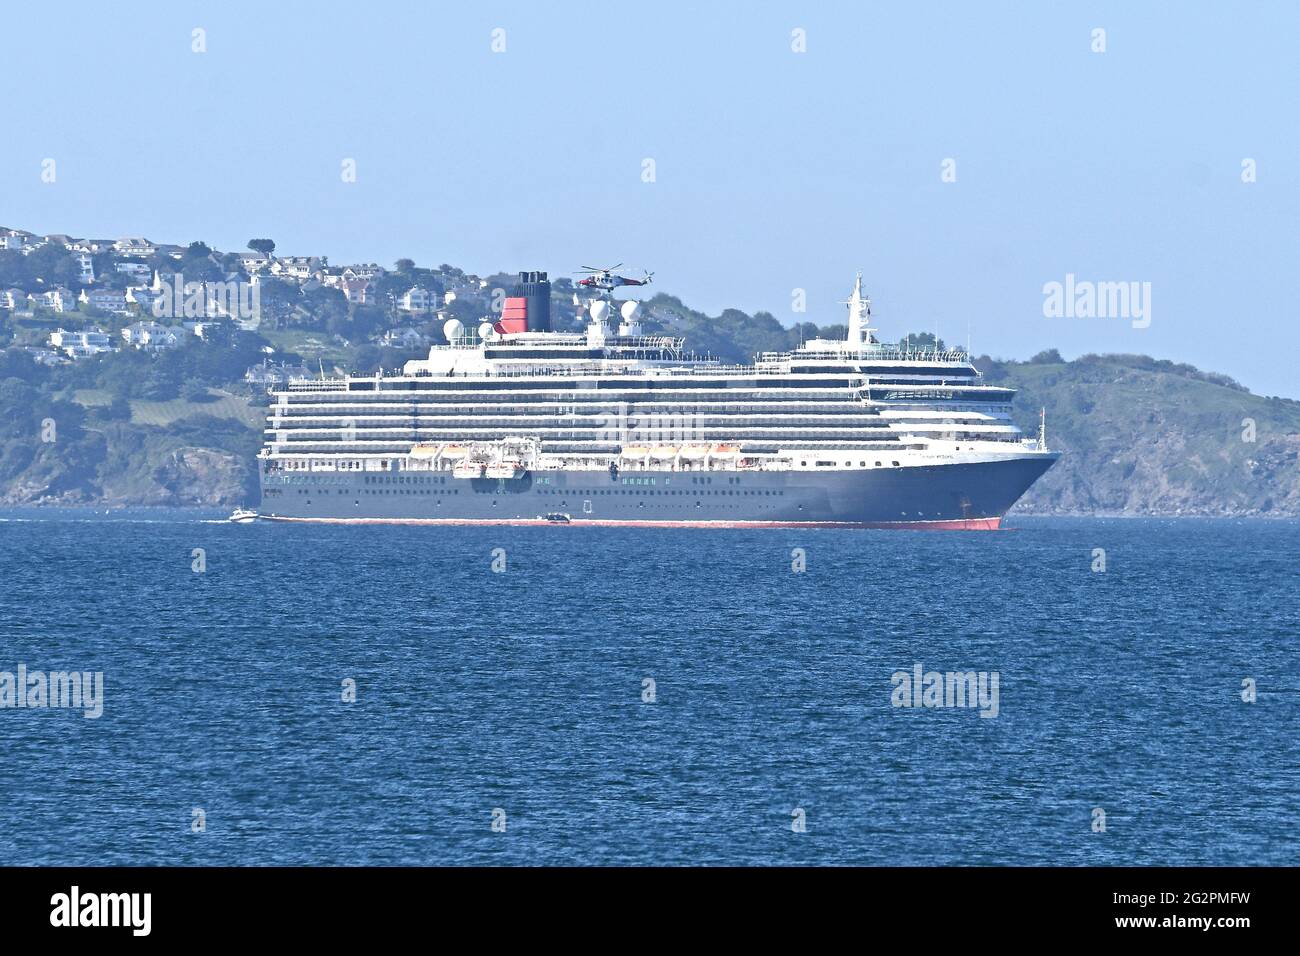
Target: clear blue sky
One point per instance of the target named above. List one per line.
(775, 170)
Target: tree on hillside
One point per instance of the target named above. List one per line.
(106, 273)
(262, 245)
(230, 263)
(388, 287)
(328, 308)
(163, 262)
(117, 410)
(278, 299)
(56, 265)
(404, 265)
(197, 264)
(196, 392)
(13, 269)
(367, 320)
(468, 311)
(921, 341)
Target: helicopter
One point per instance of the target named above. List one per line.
(606, 281)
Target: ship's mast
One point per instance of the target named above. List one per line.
(859, 314)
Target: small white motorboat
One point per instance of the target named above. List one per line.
(243, 516)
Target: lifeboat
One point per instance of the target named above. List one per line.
(468, 469)
(725, 451)
(425, 449)
(635, 451)
(694, 452)
(453, 452)
(505, 469)
(664, 452)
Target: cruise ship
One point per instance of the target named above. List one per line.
(516, 423)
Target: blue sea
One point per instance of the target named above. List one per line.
(507, 716)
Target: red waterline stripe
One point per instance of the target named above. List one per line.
(959, 524)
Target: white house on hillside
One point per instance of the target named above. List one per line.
(106, 300)
(58, 299)
(356, 290)
(297, 267)
(151, 336)
(142, 296)
(93, 246)
(135, 246)
(140, 271)
(405, 339)
(417, 299)
(273, 373)
(83, 342)
(254, 261)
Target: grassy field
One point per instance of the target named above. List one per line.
(312, 346)
(164, 413)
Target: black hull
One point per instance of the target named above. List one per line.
(970, 495)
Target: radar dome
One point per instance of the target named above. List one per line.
(599, 309)
(629, 310)
(485, 331)
(453, 328)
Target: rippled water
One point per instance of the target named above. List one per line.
(523, 691)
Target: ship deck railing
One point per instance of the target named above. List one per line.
(569, 371)
(872, 353)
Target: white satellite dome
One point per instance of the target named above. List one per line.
(599, 309)
(485, 331)
(629, 310)
(453, 328)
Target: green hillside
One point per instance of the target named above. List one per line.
(1146, 437)
(130, 429)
